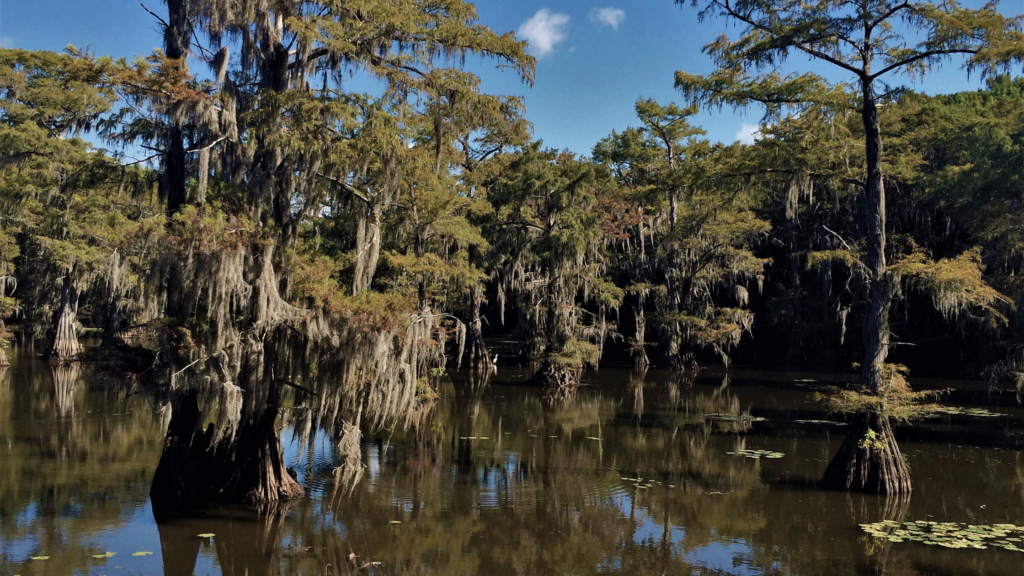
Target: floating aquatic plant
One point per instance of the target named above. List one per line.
(104, 555)
(828, 422)
(206, 535)
(142, 553)
(757, 454)
(950, 534)
(961, 411)
(40, 558)
(735, 417)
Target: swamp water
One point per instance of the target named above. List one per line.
(638, 474)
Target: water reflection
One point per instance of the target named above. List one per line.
(630, 475)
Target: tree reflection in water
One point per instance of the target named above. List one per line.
(497, 478)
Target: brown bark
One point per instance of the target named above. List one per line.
(640, 359)
(367, 248)
(795, 354)
(3, 335)
(479, 357)
(876, 324)
(192, 471)
(864, 465)
(64, 346)
(176, 47)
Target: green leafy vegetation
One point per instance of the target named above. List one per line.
(950, 534)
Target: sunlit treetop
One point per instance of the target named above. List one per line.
(869, 40)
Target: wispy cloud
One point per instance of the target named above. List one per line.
(544, 31)
(608, 16)
(748, 134)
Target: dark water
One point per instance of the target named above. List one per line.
(499, 482)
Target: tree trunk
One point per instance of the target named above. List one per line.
(876, 324)
(3, 340)
(479, 357)
(367, 248)
(795, 354)
(640, 359)
(176, 47)
(65, 346)
(250, 469)
(869, 460)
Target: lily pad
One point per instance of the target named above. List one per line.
(142, 553)
(206, 535)
(952, 535)
(104, 555)
(40, 558)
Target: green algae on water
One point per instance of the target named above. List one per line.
(950, 534)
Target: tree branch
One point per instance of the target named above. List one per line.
(347, 187)
(921, 56)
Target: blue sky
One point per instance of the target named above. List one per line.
(595, 57)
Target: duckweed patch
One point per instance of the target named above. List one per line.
(757, 454)
(950, 534)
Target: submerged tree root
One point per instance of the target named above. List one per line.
(869, 460)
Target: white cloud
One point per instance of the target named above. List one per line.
(608, 16)
(544, 31)
(748, 134)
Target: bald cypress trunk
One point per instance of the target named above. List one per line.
(367, 248)
(176, 47)
(876, 326)
(869, 458)
(3, 333)
(193, 470)
(64, 345)
(640, 359)
(479, 357)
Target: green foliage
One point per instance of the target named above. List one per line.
(894, 400)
